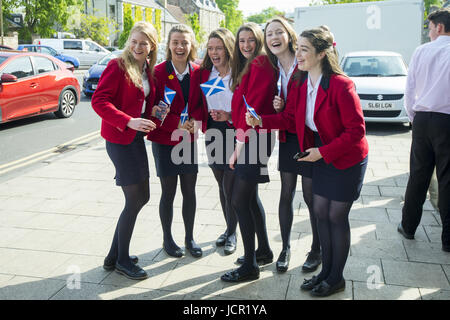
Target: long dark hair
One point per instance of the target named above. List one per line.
(291, 35)
(227, 38)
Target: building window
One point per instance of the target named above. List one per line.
(112, 11)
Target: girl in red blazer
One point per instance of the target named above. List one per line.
(123, 99)
(280, 42)
(255, 79)
(173, 144)
(219, 138)
(330, 127)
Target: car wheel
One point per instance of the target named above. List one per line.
(67, 102)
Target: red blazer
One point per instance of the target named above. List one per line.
(338, 117)
(166, 76)
(116, 100)
(259, 86)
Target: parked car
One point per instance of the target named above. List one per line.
(5, 47)
(49, 50)
(91, 77)
(380, 80)
(32, 84)
(88, 52)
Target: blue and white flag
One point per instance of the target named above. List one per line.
(184, 115)
(213, 86)
(251, 110)
(279, 85)
(169, 95)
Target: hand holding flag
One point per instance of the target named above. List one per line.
(279, 85)
(251, 110)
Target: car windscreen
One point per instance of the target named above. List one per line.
(104, 61)
(375, 66)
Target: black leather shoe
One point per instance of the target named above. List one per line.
(135, 273)
(323, 289)
(177, 253)
(220, 242)
(313, 261)
(194, 250)
(237, 276)
(109, 264)
(230, 245)
(446, 248)
(260, 259)
(283, 260)
(310, 284)
(403, 232)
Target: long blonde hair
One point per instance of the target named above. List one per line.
(240, 65)
(128, 63)
(182, 28)
(227, 37)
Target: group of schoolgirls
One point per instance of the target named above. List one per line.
(250, 86)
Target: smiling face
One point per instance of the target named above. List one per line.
(180, 46)
(140, 46)
(277, 39)
(247, 43)
(217, 53)
(307, 57)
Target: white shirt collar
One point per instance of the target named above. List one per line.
(310, 86)
(216, 73)
(291, 69)
(180, 76)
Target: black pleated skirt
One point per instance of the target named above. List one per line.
(252, 162)
(175, 160)
(130, 161)
(337, 184)
(219, 144)
(286, 162)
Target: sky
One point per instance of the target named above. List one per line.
(249, 7)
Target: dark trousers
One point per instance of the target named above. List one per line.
(430, 147)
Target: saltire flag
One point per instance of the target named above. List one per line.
(169, 95)
(279, 85)
(213, 86)
(251, 110)
(184, 115)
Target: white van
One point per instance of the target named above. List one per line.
(87, 51)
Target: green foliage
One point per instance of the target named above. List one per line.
(319, 2)
(157, 24)
(194, 22)
(43, 17)
(149, 15)
(233, 17)
(265, 15)
(127, 25)
(139, 14)
(96, 28)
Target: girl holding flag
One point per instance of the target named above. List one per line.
(177, 86)
(254, 87)
(280, 42)
(215, 78)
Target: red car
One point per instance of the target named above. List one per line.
(32, 84)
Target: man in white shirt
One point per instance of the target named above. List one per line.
(427, 102)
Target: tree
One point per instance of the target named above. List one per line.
(194, 23)
(265, 15)
(96, 28)
(233, 17)
(127, 25)
(43, 17)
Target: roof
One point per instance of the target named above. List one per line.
(207, 5)
(177, 12)
(372, 53)
(165, 15)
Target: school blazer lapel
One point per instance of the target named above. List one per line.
(321, 93)
(174, 84)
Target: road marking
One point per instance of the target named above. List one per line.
(39, 156)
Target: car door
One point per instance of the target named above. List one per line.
(48, 90)
(19, 99)
(95, 52)
(75, 48)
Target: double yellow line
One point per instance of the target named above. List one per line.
(39, 156)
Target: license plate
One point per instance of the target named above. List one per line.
(379, 105)
(94, 86)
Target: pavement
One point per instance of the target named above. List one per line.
(57, 220)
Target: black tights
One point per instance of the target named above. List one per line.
(334, 234)
(225, 180)
(168, 191)
(251, 216)
(136, 196)
(286, 211)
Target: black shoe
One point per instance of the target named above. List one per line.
(310, 284)
(177, 253)
(313, 261)
(403, 232)
(237, 276)
(260, 259)
(230, 245)
(323, 289)
(194, 249)
(283, 260)
(220, 242)
(446, 248)
(109, 264)
(135, 273)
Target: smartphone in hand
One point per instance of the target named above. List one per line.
(300, 155)
(161, 114)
